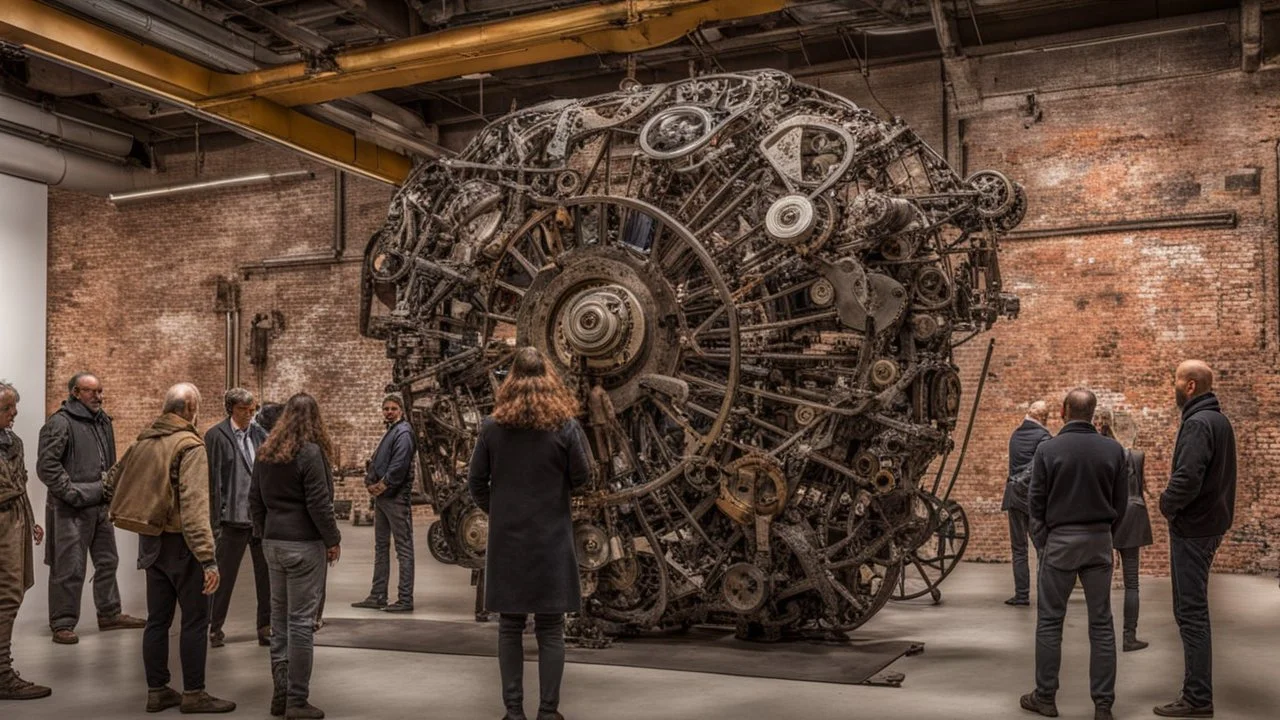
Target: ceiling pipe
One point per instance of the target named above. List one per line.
(203, 186)
(22, 114)
(62, 168)
(212, 29)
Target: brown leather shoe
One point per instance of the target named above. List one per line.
(162, 699)
(264, 636)
(1033, 703)
(1182, 709)
(65, 636)
(202, 702)
(306, 710)
(121, 622)
(14, 687)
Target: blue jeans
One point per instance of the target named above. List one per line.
(297, 571)
(1189, 560)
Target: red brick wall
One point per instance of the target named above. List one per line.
(132, 289)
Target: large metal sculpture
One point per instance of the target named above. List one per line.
(756, 287)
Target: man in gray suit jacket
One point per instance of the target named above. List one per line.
(233, 446)
(1078, 494)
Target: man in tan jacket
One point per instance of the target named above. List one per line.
(17, 528)
(160, 489)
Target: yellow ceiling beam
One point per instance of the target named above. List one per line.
(621, 27)
(64, 39)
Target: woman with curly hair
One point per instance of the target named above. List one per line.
(291, 504)
(529, 456)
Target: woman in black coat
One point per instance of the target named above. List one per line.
(1132, 534)
(529, 456)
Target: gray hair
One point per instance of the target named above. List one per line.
(75, 380)
(181, 399)
(236, 396)
(7, 387)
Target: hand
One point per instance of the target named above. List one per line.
(332, 554)
(38, 534)
(211, 581)
(378, 488)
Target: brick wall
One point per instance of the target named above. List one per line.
(132, 289)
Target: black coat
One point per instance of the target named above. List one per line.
(1077, 478)
(76, 447)
(1134, 530)
(225, 461)
(1200, 500)
(1022, 448)
(294, 500)
(523, 479)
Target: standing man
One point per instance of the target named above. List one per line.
(232, 446)
(1022, 448)
(1199, 504)
(390, 481)
(17, 529)
(77, 447)
(161, 487)
(1078, 494)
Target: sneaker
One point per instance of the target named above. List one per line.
(399, 607)
(202, 702)
(65, 636)
(371, 603)
(120, 621)
(1180, 708)
(162, 699)
(306, 710)
(1132, 643)
(15, 688)
(1018, 602)
(217, 639)
(1032, 702)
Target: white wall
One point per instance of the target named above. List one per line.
(24, 252)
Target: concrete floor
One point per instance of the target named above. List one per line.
(978, 660)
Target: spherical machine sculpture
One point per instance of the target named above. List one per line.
(756, 287)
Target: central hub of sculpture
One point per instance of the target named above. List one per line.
(600, 323)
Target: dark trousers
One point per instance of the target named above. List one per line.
(74, 534)
(231, 547)
(549, 629)
(1019, 531)
(1129, 564)
(392, 519)
(1068, 554)
(1190, 559)
(297, 582)
(175, 579)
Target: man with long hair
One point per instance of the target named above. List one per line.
(529, 457)
(291, 504)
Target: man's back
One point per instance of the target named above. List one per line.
(1201, 497)
(1023, 444)
(1078, 478)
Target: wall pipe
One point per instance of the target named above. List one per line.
(168, 191)
(59, 167)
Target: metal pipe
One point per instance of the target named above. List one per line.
(212, 29)
(75, 132)
(1225, 219)
(58, 167)
(973, 413)
(339, 214)
(168, 191)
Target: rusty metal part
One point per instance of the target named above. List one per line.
(754, 286)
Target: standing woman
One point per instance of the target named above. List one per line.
(291, 503)
(1132, 534)
(530, 455)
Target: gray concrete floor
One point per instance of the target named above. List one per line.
(978, 659)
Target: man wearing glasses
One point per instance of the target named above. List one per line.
(77, 447)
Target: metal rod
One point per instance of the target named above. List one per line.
(973, 413)
(1223, 219)
(205, 185)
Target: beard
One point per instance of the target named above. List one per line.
(1180, 397)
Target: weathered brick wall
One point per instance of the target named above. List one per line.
(132, 289)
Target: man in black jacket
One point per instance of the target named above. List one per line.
(390, 482)
(1199, 504)
(1078, 494)
(77, 447)
(232, 446)
(1022, 448)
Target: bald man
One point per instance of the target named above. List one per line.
(175, 546)
(1022, 448)
(1199, 504)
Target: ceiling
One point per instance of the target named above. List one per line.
(246, 36)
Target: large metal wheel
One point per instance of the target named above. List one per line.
(933, 560)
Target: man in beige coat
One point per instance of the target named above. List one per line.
(160, 489)
(17, 528)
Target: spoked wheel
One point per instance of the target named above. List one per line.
(925, 569)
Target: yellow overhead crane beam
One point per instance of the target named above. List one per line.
(259, 102)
